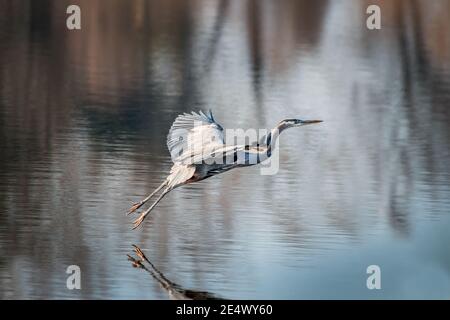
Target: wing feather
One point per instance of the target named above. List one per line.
(192, 133)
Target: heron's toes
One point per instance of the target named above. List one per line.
(138, 221)
(139, 252)
(134, 207)
(134, 262)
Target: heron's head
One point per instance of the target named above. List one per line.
(288, 123)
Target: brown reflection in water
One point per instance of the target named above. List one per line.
(424, 53)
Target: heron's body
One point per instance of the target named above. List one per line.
(198, 151)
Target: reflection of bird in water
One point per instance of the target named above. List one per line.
(198, 150)
(175, 291)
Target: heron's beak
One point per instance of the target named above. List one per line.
(305, 122)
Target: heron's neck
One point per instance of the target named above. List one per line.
(272, 137)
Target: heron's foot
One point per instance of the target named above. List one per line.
(139, 252)
(134, 207)
(134, 262)
(138, 221)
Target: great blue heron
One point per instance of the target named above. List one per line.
(195, 140)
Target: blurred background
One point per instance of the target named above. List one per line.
(84, 116)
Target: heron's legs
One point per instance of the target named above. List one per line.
(141, 218)
(139, 204)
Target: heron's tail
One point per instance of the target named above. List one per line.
(139, 204)
(141, 218)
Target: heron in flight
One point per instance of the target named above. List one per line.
(196, 141)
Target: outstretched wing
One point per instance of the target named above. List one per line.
(192, 133)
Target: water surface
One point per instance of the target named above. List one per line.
(83, 123)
